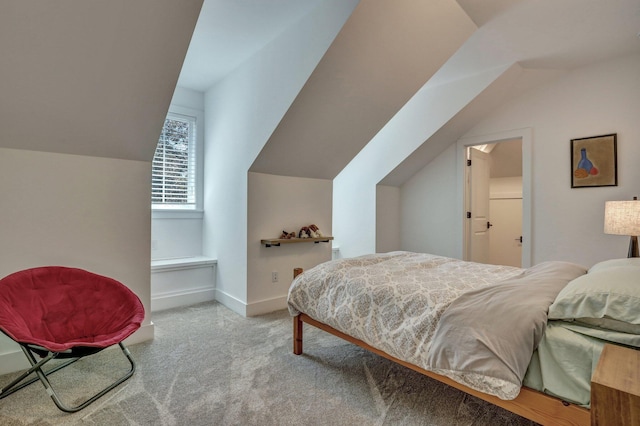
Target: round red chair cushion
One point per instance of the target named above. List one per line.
(61, 308)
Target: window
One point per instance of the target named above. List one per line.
(173, 176)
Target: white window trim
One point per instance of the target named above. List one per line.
(159, 211)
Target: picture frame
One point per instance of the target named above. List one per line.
(594, 161)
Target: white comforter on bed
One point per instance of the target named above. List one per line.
(394, 302)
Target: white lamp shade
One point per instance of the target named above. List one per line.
(622, 217)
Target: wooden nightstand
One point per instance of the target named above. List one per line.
(615, 388)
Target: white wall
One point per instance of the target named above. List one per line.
(187, 98)
(70, 210)
(567, 223)
(278, 203)
(388, 218)
(174, 236)
(427, 222)
(418, 120)
(241, 113)
(505, 187)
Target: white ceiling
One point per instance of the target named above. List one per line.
(544, 37)
(538, 33)
(228, 32)
(88, 78)
(384, 54)
(546, 34)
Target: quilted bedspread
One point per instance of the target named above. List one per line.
(391, 301)
(394, 302)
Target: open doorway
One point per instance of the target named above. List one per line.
(496, 199)
(494, 191)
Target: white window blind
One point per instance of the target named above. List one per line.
(174, 165)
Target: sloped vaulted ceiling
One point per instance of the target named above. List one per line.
(387, 50)
(384, 53)
(90, 78)
(542, 38)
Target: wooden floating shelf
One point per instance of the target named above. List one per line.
(277, 241)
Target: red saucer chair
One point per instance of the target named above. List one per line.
(56, 312)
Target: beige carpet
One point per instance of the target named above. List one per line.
(210, 366)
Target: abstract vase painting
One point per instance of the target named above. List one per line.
(593, 161)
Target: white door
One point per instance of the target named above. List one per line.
(479, 173)
(506, 233)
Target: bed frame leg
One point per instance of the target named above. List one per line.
(297, 323)
(297, 335)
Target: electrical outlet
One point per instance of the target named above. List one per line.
(274, 277)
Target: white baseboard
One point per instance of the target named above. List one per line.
(178, 298)
(251, 309)
(144, 333)
(15, 360)
(266, 306)
(236, 305)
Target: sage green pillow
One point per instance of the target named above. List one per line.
(613, 263)
(608, 296)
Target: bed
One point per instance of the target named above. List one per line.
(535, 334)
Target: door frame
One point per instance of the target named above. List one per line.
(526, 135)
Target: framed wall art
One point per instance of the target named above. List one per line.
(594, 161)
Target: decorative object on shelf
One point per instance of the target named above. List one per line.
(304, 232)
(287, 235)
(594, 161)
(309, 233)
(314, 231)
(277, 241)
(623, 218)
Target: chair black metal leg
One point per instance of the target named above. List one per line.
(11, 387)
(15, 385)
(43, 377)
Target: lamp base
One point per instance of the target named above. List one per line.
(633, 247)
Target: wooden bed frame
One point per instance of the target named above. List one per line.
(531, 404)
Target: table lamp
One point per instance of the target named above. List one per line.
(623, 218)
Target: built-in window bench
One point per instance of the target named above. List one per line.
(182, 281)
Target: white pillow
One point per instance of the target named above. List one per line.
(608, 296)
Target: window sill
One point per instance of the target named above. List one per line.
(181, 263)
(177, 214)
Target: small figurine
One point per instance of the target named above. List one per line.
(287, 235)
(304, 232)
(314, 231)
